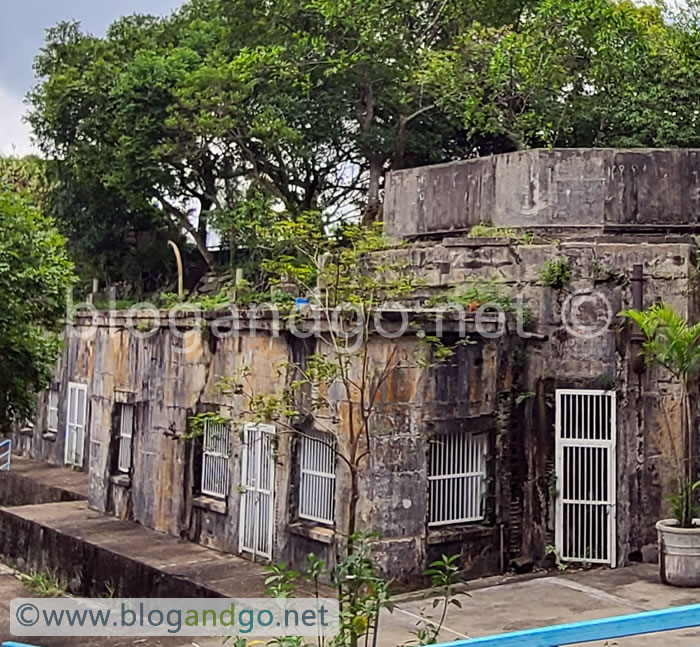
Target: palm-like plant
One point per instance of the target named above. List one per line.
(673, 343)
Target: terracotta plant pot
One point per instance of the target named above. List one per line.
(679, 553)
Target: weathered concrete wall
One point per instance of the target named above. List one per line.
(572, 188)
(599, 288)
(175, 373)
(75, 364)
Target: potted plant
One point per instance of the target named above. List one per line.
(670, 341)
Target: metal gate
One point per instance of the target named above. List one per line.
(75, 424)
(586, 475)
(258, 497)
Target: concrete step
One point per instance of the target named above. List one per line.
(30, 482)
(91, 552)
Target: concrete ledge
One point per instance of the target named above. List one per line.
(29, 482)
(90, 550)
(636, 189)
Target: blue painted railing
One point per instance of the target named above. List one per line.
(602, 629)
(5, 455)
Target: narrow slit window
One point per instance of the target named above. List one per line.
(126, 438)
(52, 411)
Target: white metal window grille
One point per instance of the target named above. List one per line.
(457, 478)
(257, 525)
(586, 474)
(126, 433)
(216, 448)
(75, 424)
(52, 411)
(317, 458)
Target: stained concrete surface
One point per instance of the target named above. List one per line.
(194, 570)
(551, 600)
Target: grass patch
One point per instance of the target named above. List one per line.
(46, 584)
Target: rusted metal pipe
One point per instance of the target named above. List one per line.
(637, 337)
(638, 286)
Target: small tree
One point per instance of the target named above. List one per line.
(346, 290)
(671, 342)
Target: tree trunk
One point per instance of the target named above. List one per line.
(200, 241)
(400, 150)
(352, 508)
(376, 170)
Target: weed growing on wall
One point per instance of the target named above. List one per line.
(556, 272)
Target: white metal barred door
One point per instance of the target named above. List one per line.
(586, 476)
(257, 523)
(75, 424)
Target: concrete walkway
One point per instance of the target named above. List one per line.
(550, 600)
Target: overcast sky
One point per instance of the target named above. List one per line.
(22, 26)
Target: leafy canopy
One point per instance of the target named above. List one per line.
(35, 274)
(304, 105)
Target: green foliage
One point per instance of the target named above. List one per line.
(476, 292)
(684, 504)
(25, 176)
(281, 581)
(119, 304)
(523, 397)
(670, 341)
(321, 99)
(556, 272)
(446, 589)
(110, 591)
(241, 295)
(169, 300)
(363, 594)
(439, 351)
(44, 584)
(584, 73)
(35, 275)
(197, 424)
